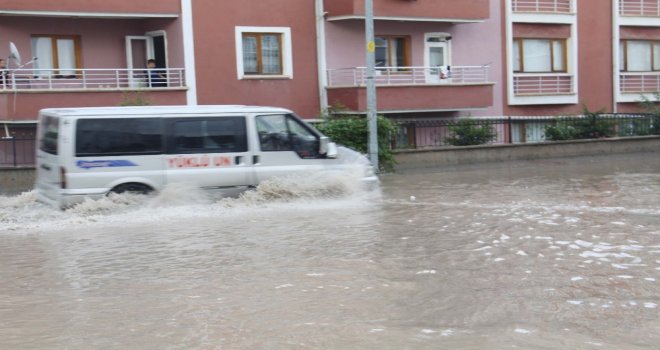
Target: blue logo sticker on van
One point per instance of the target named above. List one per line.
(88, 164)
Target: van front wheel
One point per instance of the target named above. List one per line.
(134, 188)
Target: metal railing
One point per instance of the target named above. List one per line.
(645, 8)
(429, 134)
(357, 76)
(111, 79)
(542, 6)
(639, 82)
(434, 133)
(543, 84)
(16, 152)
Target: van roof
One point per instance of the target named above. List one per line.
(160, 110)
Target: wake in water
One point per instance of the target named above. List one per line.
(184, 201)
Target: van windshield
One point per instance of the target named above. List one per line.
(49, 130)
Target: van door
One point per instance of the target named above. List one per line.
(48, 177)
(209, 152)
(286, 146)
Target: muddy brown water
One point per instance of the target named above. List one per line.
(552, 254)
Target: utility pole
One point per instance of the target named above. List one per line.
(372, 116)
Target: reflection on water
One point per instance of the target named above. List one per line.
(557, 254)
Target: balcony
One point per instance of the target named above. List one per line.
(542, 6)
(419, 10)
(410, 89)
(635, 85)
(23, 92)
(542, 84)
(639, 8)
(89, 79)
(94, 8)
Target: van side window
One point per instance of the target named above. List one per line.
(285, 133)
(106, 137)
(48, 134)
(213, 135)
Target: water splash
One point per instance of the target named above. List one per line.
(184, 200)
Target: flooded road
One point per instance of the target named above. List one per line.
(552, 254)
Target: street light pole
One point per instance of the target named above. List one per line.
(372, 117)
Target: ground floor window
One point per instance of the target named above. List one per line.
(263, 52)
(539, 55)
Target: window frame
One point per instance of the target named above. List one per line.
(407, 54)
(624, 54)
(293, 142)
(77, 48)
(518, 42)
(286, 53)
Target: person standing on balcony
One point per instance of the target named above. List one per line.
(155, 77)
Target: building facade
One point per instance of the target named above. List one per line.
(435, 58)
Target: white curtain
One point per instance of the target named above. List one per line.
(516, 56)
(558, 56)
(537, 56)
(250, 55)
(639, 56)
(270, 52)
(66, 56)
(656, 56)
(43, 51)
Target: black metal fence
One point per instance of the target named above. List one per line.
(435, 133)
(16, 152)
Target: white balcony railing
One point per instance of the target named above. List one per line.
(542, 84)
(89, 79)
(386, 76)
(639, 82)
(542, 6)
(644, 8)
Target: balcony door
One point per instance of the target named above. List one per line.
(139, 49)
(436, 55)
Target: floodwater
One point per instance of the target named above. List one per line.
(551, 254)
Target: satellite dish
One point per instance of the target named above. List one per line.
(14, 55)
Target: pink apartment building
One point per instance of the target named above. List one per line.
(435, 58)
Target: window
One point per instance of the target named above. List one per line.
(49, 130)
(392, 51)
(217, 135)
(263, 52)
(61, 53)
(539, 55)
(640, 55)
(109, 137)
(284, 133)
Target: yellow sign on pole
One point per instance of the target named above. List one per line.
(371, 46)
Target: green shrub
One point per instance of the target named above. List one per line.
(353, 132)
(560, 132)
(467, 133)
(590, 126)
(652, 107)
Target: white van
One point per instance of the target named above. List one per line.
(90, 152)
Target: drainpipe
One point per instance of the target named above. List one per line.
(322, 64)
(189, 51)
(616, 79)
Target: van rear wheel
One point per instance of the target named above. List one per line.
(134, 188)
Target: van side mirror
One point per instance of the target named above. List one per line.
(328, 148)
